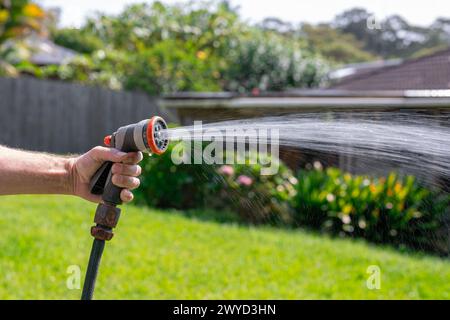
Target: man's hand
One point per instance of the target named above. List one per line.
(125, 171)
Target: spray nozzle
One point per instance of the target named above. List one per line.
(147, 136)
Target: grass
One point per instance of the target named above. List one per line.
(164, 255)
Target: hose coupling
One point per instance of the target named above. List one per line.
(106, 218)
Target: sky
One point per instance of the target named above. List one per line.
(313, 11)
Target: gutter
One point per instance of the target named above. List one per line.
(305, 100)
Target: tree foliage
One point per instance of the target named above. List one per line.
(207, 46)
(335, 45)
(77, 40)
(392, 37)
(18, 18)
(195, 47)
(268, 61)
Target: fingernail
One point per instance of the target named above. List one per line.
(129, 195)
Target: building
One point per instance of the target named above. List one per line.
(426, 73)
(353, 69)
(46, 52)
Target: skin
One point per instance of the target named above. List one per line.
(24, 172)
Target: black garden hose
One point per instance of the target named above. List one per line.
(92, 270)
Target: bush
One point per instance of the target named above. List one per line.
(256, 198)
(166, 185)
(77, 40)
(162, 48)
(383, 210)
(270, 62)
(172, 66)
(105, 68)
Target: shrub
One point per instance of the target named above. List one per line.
(383, 210)
(256, 198)
(172, 66)
(166, 185)
(162, 48)
(270, 62)
(105, 68)
(77, 40)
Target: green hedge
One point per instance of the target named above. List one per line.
(383, 210)
(392, 210)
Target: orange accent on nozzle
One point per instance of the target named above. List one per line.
(107, 141)
(150, 139)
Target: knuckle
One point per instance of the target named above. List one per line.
(136, 157)
(133, 170)
(116, 168)
(128, 170)
(118, 180)
(97, 149)
(131, 160)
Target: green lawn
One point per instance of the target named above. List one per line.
(164, 255)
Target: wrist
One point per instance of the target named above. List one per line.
(69, 176)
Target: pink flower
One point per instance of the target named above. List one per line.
(226, 170)
(244, 180)
(256, 92)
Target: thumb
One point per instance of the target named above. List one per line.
(101, 154)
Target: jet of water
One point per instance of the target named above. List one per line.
(413, 141)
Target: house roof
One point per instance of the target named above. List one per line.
(46, 52)
(426, 73)
(357, 69)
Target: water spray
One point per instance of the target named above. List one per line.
(146, 136)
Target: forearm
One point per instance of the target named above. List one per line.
(23, 172)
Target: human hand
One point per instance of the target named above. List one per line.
(125, 171)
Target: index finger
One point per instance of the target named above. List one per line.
(133, 158)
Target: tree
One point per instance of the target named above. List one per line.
(192, 47)
(334, 45)
(78, 40)
(354, 21)
(267, 61)
(19, 18)
(277, 25)
(395, 37)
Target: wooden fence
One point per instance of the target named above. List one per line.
(64, 117)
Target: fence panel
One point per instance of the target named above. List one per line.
(61, 117)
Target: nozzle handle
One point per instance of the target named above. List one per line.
(98, 181)
(101, 184)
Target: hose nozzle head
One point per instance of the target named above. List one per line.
(148, 135)
(157, 137)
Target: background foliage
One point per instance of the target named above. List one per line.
(18, 18)
(196, 47)
(207, 46)
(383, 210)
